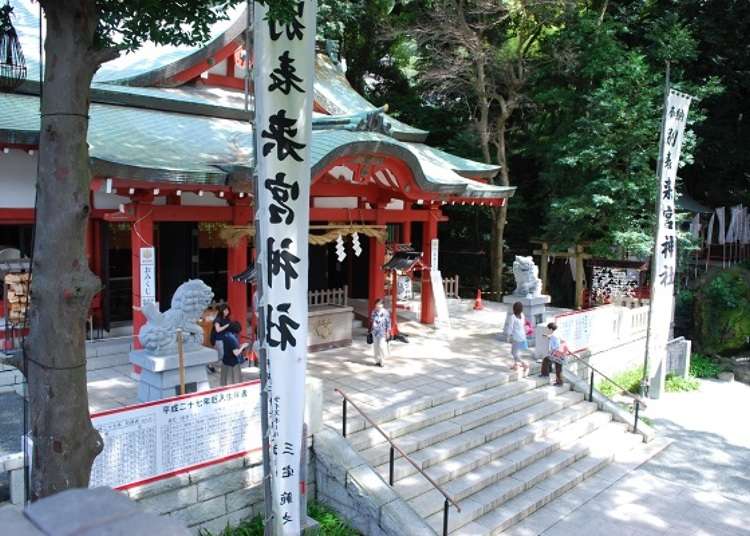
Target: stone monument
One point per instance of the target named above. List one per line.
(159, 360)
(528, 290)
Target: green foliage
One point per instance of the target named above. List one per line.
(630, 380)
(330, 524)
(722, 311)
(594, 132)
(702, 366)
(126, 25)
(676, 384)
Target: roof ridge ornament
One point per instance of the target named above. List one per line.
(373, 121)
(12, 62)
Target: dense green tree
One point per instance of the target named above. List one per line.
(594, 125)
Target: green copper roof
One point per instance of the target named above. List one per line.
(155, 145)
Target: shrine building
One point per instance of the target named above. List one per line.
(172, 159)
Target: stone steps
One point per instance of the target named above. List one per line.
(510, 499)
(421, 418)
(494, 439)
(402, 409)
(440, 431)
(502, 447)
(494, 468)
(601, 451)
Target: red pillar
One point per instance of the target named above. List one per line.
(377, 260)
(141, 236)
(406, 232)
(428, 303)
(237, 263)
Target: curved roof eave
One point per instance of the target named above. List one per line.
(162, 75)
(403, 153)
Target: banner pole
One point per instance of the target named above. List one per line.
(654, 275)
(261, 355)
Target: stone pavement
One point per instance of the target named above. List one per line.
(433, 360)
(699, 485)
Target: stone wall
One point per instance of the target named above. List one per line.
(346, 483)
(210, 497)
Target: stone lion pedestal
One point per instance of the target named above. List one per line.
(159, 360)
(534, 307)
(160, 375)
(528, 290)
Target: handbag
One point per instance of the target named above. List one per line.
(369, 337)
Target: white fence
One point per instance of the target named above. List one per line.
(333, 296)
(450, 285)
(597, 328)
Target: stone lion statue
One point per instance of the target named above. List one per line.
(159, 334)
(526, 274)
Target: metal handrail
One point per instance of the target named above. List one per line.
(448, 498)
(638, 400)
(624, 391)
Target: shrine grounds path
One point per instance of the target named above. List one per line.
(698, 486)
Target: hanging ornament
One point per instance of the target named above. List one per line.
(340, 252)
(12, 62)
(355, 245)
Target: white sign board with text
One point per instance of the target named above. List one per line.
(156, 440)
(148, 275)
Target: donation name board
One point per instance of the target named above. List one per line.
(156, 440)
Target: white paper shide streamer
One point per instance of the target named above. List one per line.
(665, 247)
(283, 75)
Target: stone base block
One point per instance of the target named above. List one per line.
(533, 307)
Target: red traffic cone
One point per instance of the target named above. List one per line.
(478, 301)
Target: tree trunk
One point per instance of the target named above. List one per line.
(65, 442)
(499, 214)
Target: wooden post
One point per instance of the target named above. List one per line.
(579, 277)
(181, 362)
(543, 262)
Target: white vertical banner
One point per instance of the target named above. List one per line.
(665, 247)
(148, 275)
(434, 254)
(283, 79)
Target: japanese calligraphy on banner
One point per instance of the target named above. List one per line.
(155, 440)
(148, 275)
(665, 247)
(283, 76)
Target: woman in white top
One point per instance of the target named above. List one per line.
(515, 332)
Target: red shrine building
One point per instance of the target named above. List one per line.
(171, 151)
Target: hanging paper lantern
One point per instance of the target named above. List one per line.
(340, 252)
(356, 247)
(12, 62)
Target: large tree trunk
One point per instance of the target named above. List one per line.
(499, 214)
(65, 442)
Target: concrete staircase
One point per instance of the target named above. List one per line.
(503, 448)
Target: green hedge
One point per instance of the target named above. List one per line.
(330, 524)
(702, 366)
(630, 380)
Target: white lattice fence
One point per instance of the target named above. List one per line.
(450, 285)
(332, 296)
